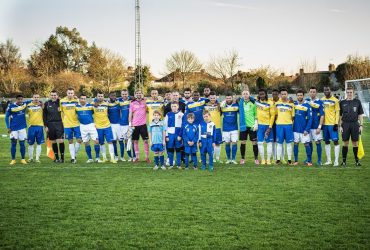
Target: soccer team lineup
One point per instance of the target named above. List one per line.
(188, 130)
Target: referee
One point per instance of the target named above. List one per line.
(351, 119)
(54, 125)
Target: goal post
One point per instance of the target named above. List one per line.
(362, 92)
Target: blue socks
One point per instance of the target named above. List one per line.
(88, 151)
(234, 149)
(13, 149)
(178, 158)
(194, 159)
(308, 152)
(23, 149)
(115, 148)
(295, 152)
(161, 158)
(319, 151)
(97, 150)
(156, 160)
(121, 148)
(228, 151)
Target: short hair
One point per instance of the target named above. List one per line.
(154, 90)
(275, 90)
(300, 91)
(326, 86)
(196, 92)
(100, 92)
(125, 90)
(212, 93)
(174, 102)
(70, 88)
(81, 95)
(190, 115)
(138, 90)
(53, 91)
(207, 87)
(229, 93)
(35, 94)
(283, 89)
(206, 112)
(157, 112)
(263, 90)
(350, 88)
(18, 96)
(313, 87)
(187, 89)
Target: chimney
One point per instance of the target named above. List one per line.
(331, 67)
(282, 74)
(301, 71)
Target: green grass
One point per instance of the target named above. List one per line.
(130, 206)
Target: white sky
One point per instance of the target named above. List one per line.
(265, 32)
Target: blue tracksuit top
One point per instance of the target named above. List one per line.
(302, 117)
(207, 133)
(15, 116)
(190, 133)
(317, 108)
(197, 109)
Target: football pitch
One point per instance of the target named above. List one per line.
(126, 205)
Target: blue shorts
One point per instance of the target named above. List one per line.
(191, 149)
(35, 134)
(218, 136)
(329, 133)
(284, 132)
(105, 133)
(157, 147)
(173, 142)
(261, 133)
(72, 132)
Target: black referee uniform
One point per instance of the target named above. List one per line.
(349, 111)
(53, 121)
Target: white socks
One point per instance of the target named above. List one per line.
(217, 151)
(289, 151)
(30, 151)
(77, 147)
(279, 151)
(111, 151)
(261, 150)
(336, 152)
(269, 150)
(274, 150)
(38, 152)
(328, 153)
(102, 151)
(72, 151)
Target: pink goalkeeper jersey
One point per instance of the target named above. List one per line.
(138, 109)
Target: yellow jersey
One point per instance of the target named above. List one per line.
(69, 116)
(215, 112)
(331, 110)
(152, 105)
(285, 113)
(34, 112)
(101, 115)
(265, 112)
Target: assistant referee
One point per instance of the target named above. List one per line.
(54, 125)
(351, 124)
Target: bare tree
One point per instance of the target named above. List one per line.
(225, 66)
(307, 73)
(185, 62)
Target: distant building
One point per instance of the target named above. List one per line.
(174, 79)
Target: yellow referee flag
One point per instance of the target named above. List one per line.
(361, 151)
